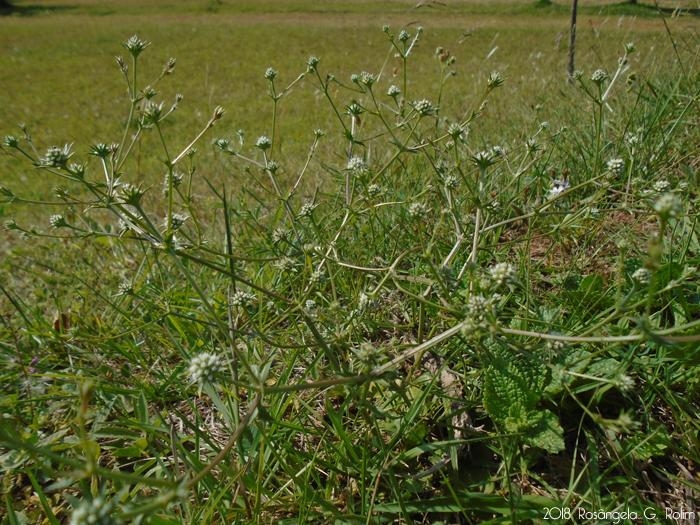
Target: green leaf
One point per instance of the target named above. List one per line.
(547, 433)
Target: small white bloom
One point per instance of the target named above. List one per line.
(242, 299)
(661, 186)
(616, 166)
(599, 76)
(502, 273)
(204, 367)
(642, 276)
(668, 205)
(417, 210)
(357, 165)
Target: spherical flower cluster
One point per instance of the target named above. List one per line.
(310, 306)
(373, 190)
(642, 276)
(57, 221)
(502, 273)
(424, 107)
(177, 220)
(479, 309)
(204, 367)
(661, 186)
(286, 264)
(271, 166)
(404, 35)
(599, 76)
(312, 63)
(367, 78)
(263, 142)
(418, 210)
(94, 512)
(357, 165)
(317, 276)
(307, 209)
(457, 132)
(242, 299)
(280, 234)
(668, 205)
(393, 91)
(270, 73)
(616, 166)
(451, 182)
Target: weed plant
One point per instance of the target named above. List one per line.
(412, 324)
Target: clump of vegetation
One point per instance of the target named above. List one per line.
(418, 323)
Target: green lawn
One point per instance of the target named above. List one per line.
(472, 297)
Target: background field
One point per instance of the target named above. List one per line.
(99, 325)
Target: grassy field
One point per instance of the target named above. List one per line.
(419, 278)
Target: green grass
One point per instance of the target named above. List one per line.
(370, 360)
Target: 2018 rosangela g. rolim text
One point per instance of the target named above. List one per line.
(617, 516)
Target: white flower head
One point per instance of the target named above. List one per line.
(357, 165)
(642, 275)
(559, 186)
(616, 166)
(502, 273)
(242, 299)
(662, 186)
(668, 205)
(96, 511)
(204, 367)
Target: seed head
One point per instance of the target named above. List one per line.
(495, 80)
(131, 194)
(56, 157)
(152, 113)
(135, 45)
(354, 110)
(10, 141)
(218, 113)
(404, 35)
